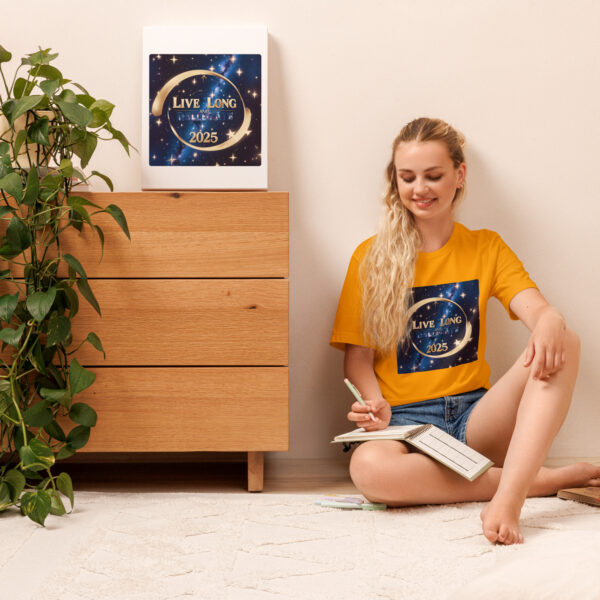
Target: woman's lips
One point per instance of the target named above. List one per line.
(424, 202)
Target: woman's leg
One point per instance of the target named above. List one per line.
(386, 471)
(537, 413)
(532, 410)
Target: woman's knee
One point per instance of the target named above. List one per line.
(371, 459)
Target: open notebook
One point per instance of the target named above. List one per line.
(430, 440)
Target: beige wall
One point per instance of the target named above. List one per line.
(521, 78)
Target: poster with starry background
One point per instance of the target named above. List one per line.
(444, 327)
(204, 110)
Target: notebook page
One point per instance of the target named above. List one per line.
(395, 432)
(451, 452)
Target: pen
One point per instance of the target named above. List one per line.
(357, 395)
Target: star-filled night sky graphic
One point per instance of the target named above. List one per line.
(444, 327)
(201, 111)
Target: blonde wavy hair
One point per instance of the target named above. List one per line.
(388, 269)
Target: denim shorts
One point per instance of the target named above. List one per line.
(449, 413)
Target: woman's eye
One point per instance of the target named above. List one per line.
(407, 180)
(436, 178)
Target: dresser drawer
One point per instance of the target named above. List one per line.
(179, 234)
(159, 322)
(188, 409)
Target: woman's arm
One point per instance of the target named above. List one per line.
(358, 368)
(546, 350)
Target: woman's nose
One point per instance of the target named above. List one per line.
(421, 187)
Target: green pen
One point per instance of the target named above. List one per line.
(357, 395)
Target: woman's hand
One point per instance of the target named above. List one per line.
(546, 350)
(381, 411)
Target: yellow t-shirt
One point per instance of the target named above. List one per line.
(452, 285)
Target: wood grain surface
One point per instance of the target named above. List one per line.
(188, 409)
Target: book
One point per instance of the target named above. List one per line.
(430, 440)
(349, 502)
(588, 495)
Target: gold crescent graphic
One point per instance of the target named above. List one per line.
(161, 96)
(463, 342)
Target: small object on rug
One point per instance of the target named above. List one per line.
(589, 495)
(352, 502)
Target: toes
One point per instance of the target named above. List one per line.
(491, 535)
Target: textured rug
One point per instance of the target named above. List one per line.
(123, 546)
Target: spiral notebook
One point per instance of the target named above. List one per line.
(430, 440)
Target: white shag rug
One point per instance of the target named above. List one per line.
(175, 546)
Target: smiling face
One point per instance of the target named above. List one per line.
(427, 179)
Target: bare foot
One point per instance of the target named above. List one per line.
(580, 474)
(500, 520)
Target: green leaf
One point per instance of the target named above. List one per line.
(80, 378)
(12, 336)
(21, 106)
(75, 265)
(32, 188)
(65, 485)
(98, 118)
(65, 452)
(5, 210)
(36, 455)
(4, 148)
(94, 340)
(83, 414)
(5, 402)
(56, 431)
(5, 499)
(85, 99)
(71, 297)
(39, 415)
(86, 291)
(55, 395)
(118, 135)
(66, 167)
(56, 504)
(104, 105)
(68, 96)
(17, 235)
(49, 86)
(38, 132)
(13, 185)
(40, 303)
(19, 139)
(36, 357)
(36, 505)
(117, 214)
(78, 437)
(8, 304)
(101, 238)
(85, 148)
(59, 328)
(16, 483)
(75, 113)
(47, 72)
(42, 57)
(23, 87)
(5, 55)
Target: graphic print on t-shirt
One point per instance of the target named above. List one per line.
(444, 327)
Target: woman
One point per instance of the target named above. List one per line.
(411, 319)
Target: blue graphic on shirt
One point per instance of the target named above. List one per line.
(444, 327)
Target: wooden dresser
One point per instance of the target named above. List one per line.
(194, 324)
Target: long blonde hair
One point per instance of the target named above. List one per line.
(388, 269)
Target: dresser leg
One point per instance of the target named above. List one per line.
(255, 471)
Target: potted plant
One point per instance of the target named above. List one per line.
(49, 130)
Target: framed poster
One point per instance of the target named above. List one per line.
(204, 108)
